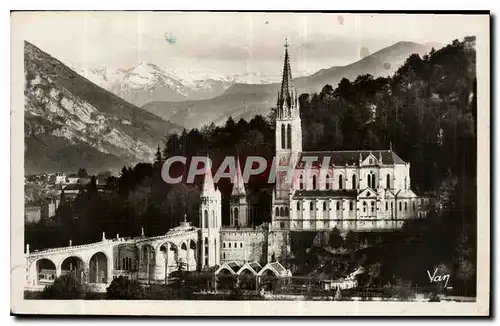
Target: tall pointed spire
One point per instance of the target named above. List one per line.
(286, 96)
(239, 184)
(208, 188)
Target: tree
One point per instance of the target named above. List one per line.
(122, 288)
(82, 173)
(64, 288)
(158, 159)
(335, 239)
(466, 267)
(351, 240)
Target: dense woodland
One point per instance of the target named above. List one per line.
(426, 112)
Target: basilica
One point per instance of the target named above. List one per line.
(358, 190)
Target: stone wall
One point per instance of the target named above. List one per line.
(243, 245)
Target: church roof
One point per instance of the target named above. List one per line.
(351, 157)
(324, 193)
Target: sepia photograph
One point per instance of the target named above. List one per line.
(267, 159)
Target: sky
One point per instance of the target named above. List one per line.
(228, 42)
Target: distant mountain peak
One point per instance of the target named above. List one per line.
(245, 100)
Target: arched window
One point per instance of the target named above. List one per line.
(277, 212)
(287, 212)
(223, 245)
(282, 211)
(413, 205)
(235, 245)
(289, 136)
(314, 182)
(205, 219)
(311, 206)
(283, 140)
(388, 181)
(301, 180)
(223, 255)
(386, 205)
(298, 205)
(236, 217)
(354, 185)
(327, 182)
(241, 244)
(400, 206)
(340, 182)
(338, 206)
(371, 180)
(350, 205)
(324, 205)
(229, 244)
(373, 206)
(406, 206)
(364, 207)
(405, 184)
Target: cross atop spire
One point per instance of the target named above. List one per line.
(286, 42)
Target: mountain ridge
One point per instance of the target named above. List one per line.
(63, 107)
(381, 63)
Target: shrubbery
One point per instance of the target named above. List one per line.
(122, 288)
(64, 287)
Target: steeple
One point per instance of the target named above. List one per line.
(239, 184)
(287, 97)
(208, 188)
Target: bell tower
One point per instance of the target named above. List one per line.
(210, 222)
(288, 139)
(238, 202)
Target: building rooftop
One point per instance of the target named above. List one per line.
(351, 157)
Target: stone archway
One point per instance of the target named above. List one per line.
(98, 268)
(183, 256)
(168, 255)
(192, 255)
(247, 280)
(45, 271)
(75, 266)
(269, 280)
(226, 280)
(148, 262)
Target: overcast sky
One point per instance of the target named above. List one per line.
(229, 42)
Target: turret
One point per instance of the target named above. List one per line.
(210, 222)
(238, 202)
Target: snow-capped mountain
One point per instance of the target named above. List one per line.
(147, 82)
(245, 100)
